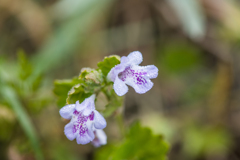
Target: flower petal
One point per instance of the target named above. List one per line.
(83, 139)
(135, 57)
(152, 71)
(68, 130)
(90, 130)
(80, 107)
(99, 121)
(91, 102)
(100, 139)
(120, 87)
(101, 136)
(87, 112)
(141, 85)
(115, 71)
(67, 111)
(149, 71)
(124, 60)
(87, 103)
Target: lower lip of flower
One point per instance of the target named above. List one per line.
(80, 122)
(130, 73)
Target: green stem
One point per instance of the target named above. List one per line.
(105, 91)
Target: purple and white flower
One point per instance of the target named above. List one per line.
(129, 72)
(84, 120)
(100, 138)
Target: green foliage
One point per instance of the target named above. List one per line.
(16, 88)
(140, 144)
(108, 63)
(11, 98)
(77, 93)
(25, 68)
(29, 90)
(61, 89)
(7, 120)
(70, 91)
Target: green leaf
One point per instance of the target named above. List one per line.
(77, 93)
(140, 144)
(90, 83)
(61, 89)
(108, 63)
(69, 91)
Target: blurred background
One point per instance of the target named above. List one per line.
(195, 100)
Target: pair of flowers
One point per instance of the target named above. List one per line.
(87, 123)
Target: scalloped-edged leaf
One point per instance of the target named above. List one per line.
(108, 63)
(61, 89)
(77, 93)
(140, 144)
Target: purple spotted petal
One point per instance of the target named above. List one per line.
(90, 130)
(68, 130)
(99, 121)
(137, 77)
(141, 85)
(83, 139)
(83, 128)
(87, 112)
(91, 116)
(135, 57)
(67, 111)
(120, 87)
(115, 71)
(149, 71)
